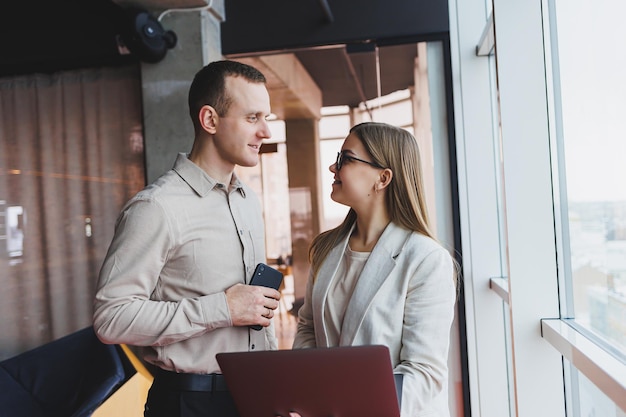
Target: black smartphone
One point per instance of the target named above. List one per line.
(265, 276)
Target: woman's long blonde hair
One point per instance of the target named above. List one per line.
(396, 149)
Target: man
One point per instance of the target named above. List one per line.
(173, 280)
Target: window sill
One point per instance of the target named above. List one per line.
(605, 370)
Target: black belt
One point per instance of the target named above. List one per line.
(191, 382)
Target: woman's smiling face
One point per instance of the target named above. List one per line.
(354, 182)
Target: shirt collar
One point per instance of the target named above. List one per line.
(199, 180)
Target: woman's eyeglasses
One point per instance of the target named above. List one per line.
(343, 157)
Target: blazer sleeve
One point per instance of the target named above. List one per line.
(428, 316)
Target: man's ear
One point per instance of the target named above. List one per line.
(208, 119)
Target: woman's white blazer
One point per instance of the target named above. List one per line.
(404, 299)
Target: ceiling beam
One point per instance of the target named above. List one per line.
(293, 93)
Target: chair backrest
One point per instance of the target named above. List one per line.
(70, 376)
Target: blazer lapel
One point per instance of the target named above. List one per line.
(379, 265)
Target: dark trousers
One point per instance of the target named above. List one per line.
(167, 398)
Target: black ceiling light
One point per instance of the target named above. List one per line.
(144, 36)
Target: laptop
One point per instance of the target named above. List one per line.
(350, 381)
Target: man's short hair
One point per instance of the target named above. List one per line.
(208, 86)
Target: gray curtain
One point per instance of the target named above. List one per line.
(71, 154)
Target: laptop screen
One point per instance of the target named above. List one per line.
(350, 381)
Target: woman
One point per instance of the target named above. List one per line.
(380, 277)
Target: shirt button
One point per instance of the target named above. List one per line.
(252, 347)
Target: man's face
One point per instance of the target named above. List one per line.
(240, 132)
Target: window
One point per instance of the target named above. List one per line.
(559, 187)
(590, 97)
(587, 111)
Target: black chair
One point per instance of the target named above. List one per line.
(69, 377)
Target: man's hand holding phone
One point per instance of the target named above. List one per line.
(253, 305)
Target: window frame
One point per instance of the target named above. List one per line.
(530, 286)
(476, 127)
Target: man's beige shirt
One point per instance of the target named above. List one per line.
(178, 245)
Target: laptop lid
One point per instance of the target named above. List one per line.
(350, 381)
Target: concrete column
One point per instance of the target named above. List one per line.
(167, 125)
(304, 194)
